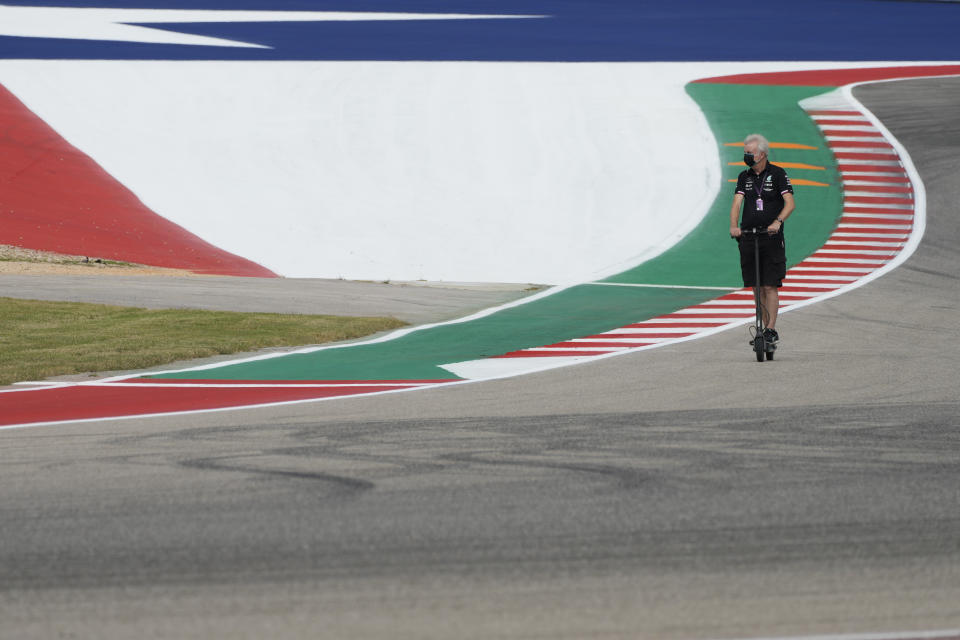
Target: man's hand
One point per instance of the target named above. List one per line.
(774, 227)
(735, 215)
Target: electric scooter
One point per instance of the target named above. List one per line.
(760, 345)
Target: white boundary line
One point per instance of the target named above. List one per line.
(895, 635)
(661, 286)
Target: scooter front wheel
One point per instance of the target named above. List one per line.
(759, 347)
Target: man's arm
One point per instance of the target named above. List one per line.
(788, 206)
(735, 215)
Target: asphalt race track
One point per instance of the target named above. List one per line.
(410, 302)
(684, 492)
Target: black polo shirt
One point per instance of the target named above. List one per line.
(769, 186)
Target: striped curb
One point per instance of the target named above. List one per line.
(877, 223)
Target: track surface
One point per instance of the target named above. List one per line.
(411, 303)
(644, 495)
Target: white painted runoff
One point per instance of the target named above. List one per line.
(446, 171)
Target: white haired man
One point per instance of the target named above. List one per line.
(765, 195)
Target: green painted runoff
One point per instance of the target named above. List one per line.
(707, 256)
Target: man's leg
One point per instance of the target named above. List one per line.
(770, 298)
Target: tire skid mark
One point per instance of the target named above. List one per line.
(217, 464)
(624, 477)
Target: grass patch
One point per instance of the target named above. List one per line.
(43, 339)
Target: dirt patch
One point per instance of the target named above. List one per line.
(17, 260)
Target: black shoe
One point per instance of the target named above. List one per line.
(770, 336)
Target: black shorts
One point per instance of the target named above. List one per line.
(773, 261)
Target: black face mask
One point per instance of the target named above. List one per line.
(748, 159)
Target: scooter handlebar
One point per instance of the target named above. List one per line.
(752, 231)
